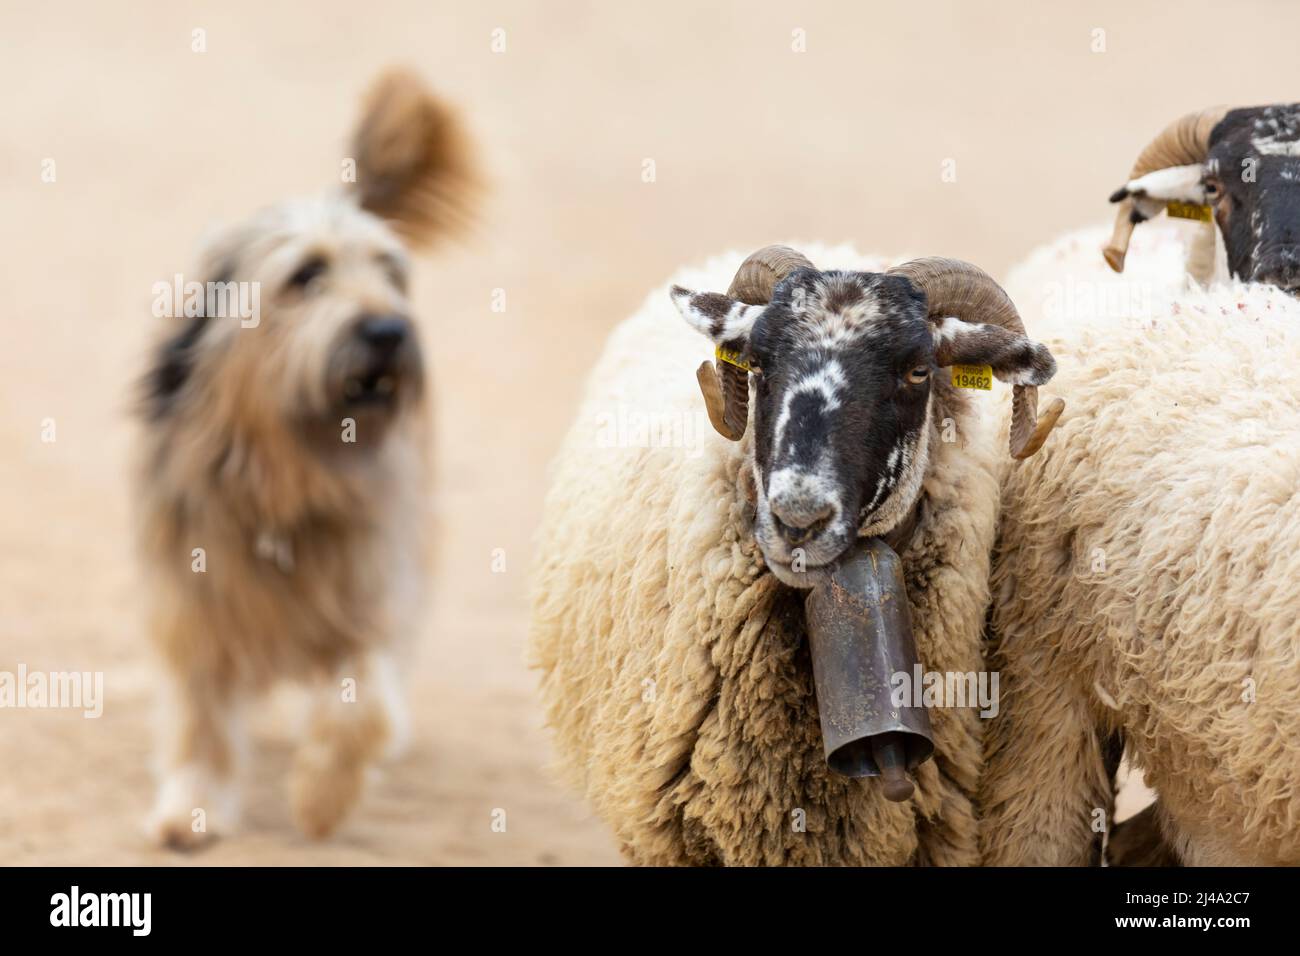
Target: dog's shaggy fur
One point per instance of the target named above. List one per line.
(283, 474)
(675, 671)
(1145, 581)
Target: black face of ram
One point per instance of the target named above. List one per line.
(1252, 181)
(841, 406)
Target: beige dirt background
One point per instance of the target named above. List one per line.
(751, 142)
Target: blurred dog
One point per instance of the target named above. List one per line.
(283, 473)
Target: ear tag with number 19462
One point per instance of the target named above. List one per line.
(973, 376)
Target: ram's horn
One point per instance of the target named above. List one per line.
(725, 386)
(1184, 141)
(956, 288)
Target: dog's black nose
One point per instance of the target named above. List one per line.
(383, 333)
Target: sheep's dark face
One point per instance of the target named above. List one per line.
(841, 414)
(1252, 181)
(843, 367)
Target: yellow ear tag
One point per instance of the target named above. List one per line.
(731, 358)
(973, 376)
(1189, 210)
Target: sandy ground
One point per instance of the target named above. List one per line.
(750, 141)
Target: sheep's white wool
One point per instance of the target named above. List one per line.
(1065, 284)
(1151, 550)
(674, 672)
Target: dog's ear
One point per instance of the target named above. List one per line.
(414, 164)
(172, 361)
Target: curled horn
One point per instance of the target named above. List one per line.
(955, 288)
(1184, 141)
(725, 386)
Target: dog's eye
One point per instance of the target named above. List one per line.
(396, 271)
(918, 375)
(307, 273)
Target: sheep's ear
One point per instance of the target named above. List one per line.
(1015, 358)
(722, 320)
(1151, 192)
(1182, 183)
(414, 165)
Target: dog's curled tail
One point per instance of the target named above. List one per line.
(415, 166)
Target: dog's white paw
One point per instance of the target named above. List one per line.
(192, 810)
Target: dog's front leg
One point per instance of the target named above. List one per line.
(357, 719)
(198, 795)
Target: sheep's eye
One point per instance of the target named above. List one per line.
(918, 375)
(307, 273)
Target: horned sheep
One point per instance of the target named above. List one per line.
(667, 618)
(1131, 547)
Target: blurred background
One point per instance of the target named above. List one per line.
(620, 139)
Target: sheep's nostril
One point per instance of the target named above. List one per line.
(797, 533)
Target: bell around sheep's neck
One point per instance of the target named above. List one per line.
(860, 636)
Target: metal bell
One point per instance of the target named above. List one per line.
(860, 637)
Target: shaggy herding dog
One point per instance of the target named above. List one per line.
(282, 474)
